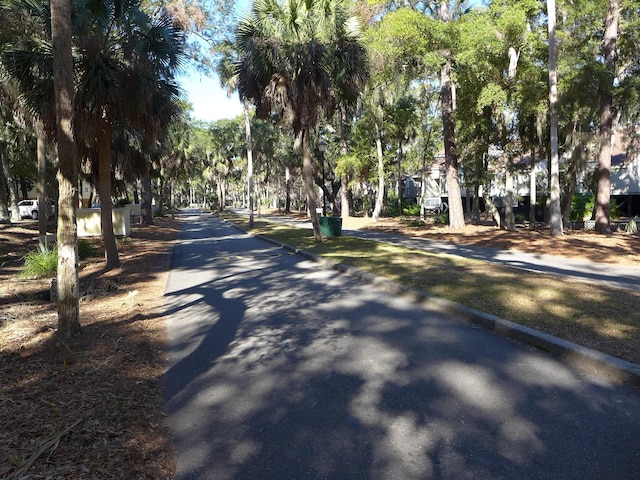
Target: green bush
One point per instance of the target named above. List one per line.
(632, 226)
(582, 206)
(85, 249)
(39, 264)
(411, 209)
(441, 219)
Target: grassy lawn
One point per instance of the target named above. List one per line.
(603, 318)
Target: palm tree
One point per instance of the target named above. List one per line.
(126, 65)
(124, 70)
(294, 56)
(67, 281)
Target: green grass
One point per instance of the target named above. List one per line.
(39, 264)
(603, 318)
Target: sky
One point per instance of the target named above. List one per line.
(209, 100)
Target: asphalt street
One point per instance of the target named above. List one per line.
(282, 369)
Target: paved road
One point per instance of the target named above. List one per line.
(280, 369)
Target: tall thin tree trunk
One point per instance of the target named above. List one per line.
(247, 129)
(509, 218)
(377, 210)
(345, 204)
(603, 195)
(555, 212)
(43, 207)
(307, 175)
(67, 293)
(399, 183)
(5, 214)
(456, 213)
(146, 196)
(532, 190)
(104, 189)
(13, 189)
(287, 180)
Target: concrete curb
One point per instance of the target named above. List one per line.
(583, 357)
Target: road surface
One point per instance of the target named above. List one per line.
(280, 369)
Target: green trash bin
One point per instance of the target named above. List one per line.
(330, 226)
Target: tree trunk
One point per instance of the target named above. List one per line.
(5, 214)
(399, 183)
(345, 204)
(247, 129)
(475, 208)
(456, 213)
(377, 210)
(555, 222)
(603, 195)
(532, 190)
(307, 176)
(13, 190)
(104, 189)
(146, 196)
(509, 218)
(67, 293)
(491, 207)
(43, 206)
(287, 180)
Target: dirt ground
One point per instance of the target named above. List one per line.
(619, 248)
(92, 409)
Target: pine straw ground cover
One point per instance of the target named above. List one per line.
(92, 408)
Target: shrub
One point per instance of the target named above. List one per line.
(85, 249)
(632, 226)
(441, 219)
(582, 206)
(40, 264)
(411, 209)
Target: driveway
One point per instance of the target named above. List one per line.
(280, 369)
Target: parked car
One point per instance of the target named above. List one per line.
(29, 209)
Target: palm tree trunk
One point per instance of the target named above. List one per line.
(307, 176)
(67, 291)
(603, 195)
(345, 204)
(104, 188)
(247, 127)
(146, 196)
(43, 207)
(377, 210)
